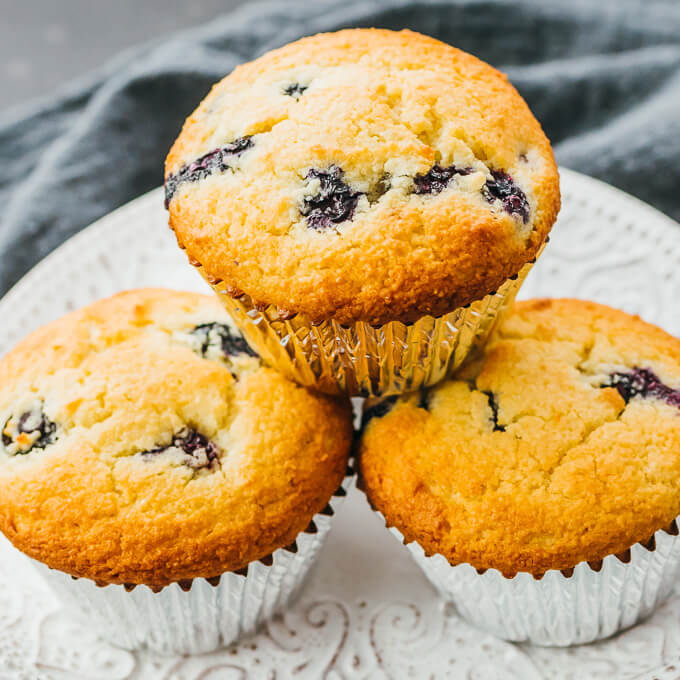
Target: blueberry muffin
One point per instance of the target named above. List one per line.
(362, 179)
(143, 442)
(559, 447)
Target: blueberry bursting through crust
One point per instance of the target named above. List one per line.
(335, 201)
(219, 336)
(493, 406)
(216, 160)
(196, 450)
(436, 179)
(500, 187)
(295, 90)
(30, 431)
(642, 382)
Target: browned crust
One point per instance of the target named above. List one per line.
(544, 494)
(407, 255)
(91, 508)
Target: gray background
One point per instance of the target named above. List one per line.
(44, 43)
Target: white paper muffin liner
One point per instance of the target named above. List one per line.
(200, 615)
(563, 607)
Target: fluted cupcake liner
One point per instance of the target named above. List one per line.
(362, 360)
(592, 601)
(198, 615)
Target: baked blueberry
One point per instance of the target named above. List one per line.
(493, 405)
(437, 178)
(335, 201)
(503, 188)
(295, 90)
(642, 382)
(217, 338)
(28, 431)
(216, 160)
(194, 449)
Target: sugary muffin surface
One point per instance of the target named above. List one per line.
(144, 442)
(561, 444)
(362, 175)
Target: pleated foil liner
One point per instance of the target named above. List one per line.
(590, 602)
(361, 360)
(200, 615)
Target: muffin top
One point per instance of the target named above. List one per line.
(561, 444)
(144, 442)
(365, 175)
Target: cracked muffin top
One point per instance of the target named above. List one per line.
(144, 442)
(365, 175)
(560, 444)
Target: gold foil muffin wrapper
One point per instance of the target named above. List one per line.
(592, 601)
(198, 615)
(361, 360)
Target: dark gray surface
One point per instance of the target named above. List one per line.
(45, 43)
(603, 78)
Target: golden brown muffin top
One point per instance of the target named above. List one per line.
(144, 442)
(561, 444)
(364, 175)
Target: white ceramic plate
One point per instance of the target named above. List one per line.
(367, 612)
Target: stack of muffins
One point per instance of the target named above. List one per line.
(366, 205)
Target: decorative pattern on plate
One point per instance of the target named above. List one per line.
(367, 611)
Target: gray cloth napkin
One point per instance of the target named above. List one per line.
(603, 77)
